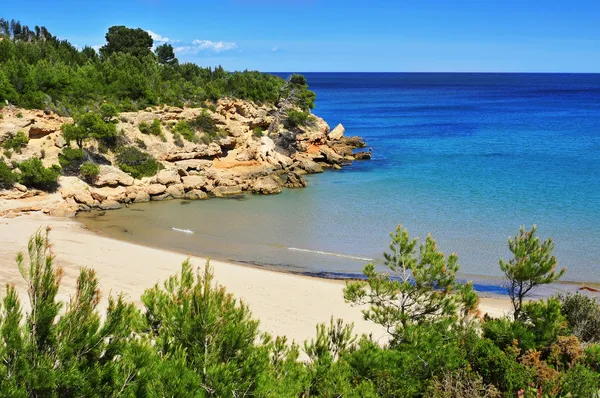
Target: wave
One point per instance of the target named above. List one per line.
(186, 231)
(331, 254)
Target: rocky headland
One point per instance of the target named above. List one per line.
(254, 151)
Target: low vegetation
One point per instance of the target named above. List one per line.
(35, 175)
(7, 177)
(152, 128)
(89, 171)
(192, 338)
(136, 162)
(16, 142)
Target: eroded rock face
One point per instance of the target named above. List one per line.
(239, 158)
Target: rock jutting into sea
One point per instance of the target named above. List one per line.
(255, 150)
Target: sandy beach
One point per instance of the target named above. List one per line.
(285, 304)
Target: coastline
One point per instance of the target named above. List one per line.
(286, 304)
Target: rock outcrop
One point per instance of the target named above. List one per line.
(252, 151)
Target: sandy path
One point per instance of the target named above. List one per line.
(285, 304)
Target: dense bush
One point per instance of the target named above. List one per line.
(185, 130)
(16, 142)
(137, 163)
(89, 171)
(37, 70)
(297, 118)
(35, 175)
(7, 177)
(583, 316)
(70, 159)
(192, 338)
(153, 128)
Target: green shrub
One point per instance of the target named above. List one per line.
(205, 123)
(137, 163)
(297, 118)
(16, 142)
(35, 175)
(7, 177)
(583, 316)
(70, 160)
(20, 115)
(580, 381)
(153, 129)
(89, 171)
(185, 130)
(257, 132)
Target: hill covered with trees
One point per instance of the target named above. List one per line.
(38, 70)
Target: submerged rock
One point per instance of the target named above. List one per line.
(294, 180)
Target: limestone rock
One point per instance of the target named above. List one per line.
(60, 142)
(142, 196)
(193, 182)
(337, 133)
(155, 189)
(73, 187)
(42, 128)
(294, 180)
(221, 191)
(176, 191)
(112, 176)
(309, 166)
(266, 185)
(110, 205)
(195, 194)
(167, 177)
(20, 187)
(193, 164)
(362, 155)
(330, 155)
(117, 194)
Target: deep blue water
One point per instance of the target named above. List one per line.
(466, 157)
(471, 157)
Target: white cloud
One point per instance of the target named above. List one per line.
(97, 47)
(157, 37)
(215, 46)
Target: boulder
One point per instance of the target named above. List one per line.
(266, 186)
(60, 142)
(331, 156)
(117, 194)
(167, 177)
(221, 191)
(362, 155)
(193, 182)
(354, 142)
(176, 191)
(193, 164)
(195, 194)
(73, 187)
(308, 166)
(110, 205)
(141, 196)
(337, 133)
(155, 189)
(164, 196)
(294, 180)
(20, 187)
(112, 176)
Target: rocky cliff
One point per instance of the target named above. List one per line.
(255, 151)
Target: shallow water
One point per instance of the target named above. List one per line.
(467, 157)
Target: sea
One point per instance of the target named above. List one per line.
(465, 157)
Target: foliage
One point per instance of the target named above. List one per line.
(296, 118)
(185, 130)
(16, 142)
(420, 288)
(7, 177)
(137, 163)
(257, 132)
(108, 111)
(165, 54)
(89, 125)
(70, 159)
(532, 265)
(461, 384)
(154, 128)
(35, 175)
(89, 171)
(583, 316)
(120, 39)
(45, 72)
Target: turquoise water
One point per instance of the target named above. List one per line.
(467, 157)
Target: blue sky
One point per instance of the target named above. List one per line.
(333, 35)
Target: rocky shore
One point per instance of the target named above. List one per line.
(255, 151)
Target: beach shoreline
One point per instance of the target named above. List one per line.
(286, 304)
